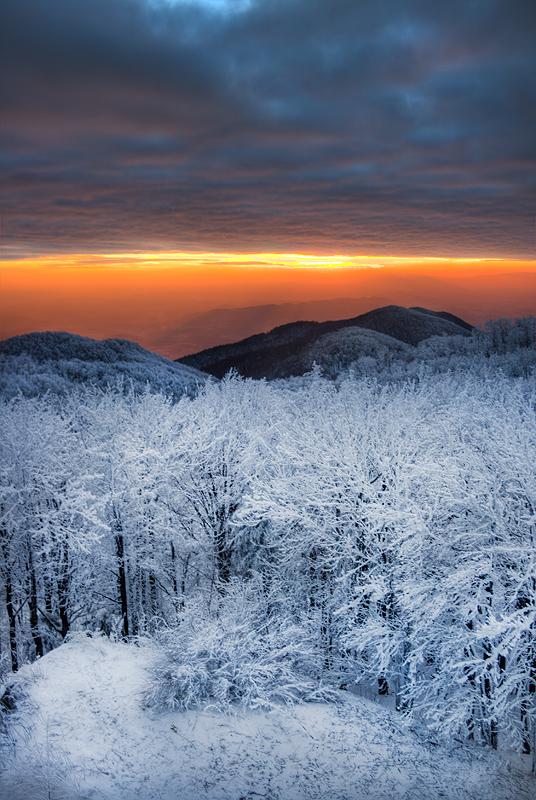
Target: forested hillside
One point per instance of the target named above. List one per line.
(289, 349)
(36, 363)
(279, 541)
(390, 342)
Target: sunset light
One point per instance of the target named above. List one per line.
(153, 297)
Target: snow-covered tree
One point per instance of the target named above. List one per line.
(387, 523)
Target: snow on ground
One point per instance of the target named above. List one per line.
(82, 732)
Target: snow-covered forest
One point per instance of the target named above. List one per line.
(278, 542)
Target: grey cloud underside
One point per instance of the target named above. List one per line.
(332, 124)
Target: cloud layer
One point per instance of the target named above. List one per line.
(312, 125)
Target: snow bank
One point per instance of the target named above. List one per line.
(81, 731)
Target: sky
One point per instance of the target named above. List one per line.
(137, 134)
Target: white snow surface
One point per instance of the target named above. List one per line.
(81, 731)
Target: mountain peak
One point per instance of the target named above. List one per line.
(287, 349)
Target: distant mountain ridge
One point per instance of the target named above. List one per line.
(35, 363)
(290, 349)
(219, 326)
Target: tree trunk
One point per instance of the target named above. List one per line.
(153, 593)
(223, 558)
(47, 586)
(63, 592)
(32, 605)
(122, 583)
(12, 624)
(326, 620)
(529, 700)
(174, 585)
(186, 564)
(492, 732)
(526, 704)
(383, 686)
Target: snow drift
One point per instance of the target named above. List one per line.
(81, 731)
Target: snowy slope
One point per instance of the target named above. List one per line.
(36, 363)
(336, 351)
(82, 732)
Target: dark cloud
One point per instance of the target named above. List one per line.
(277, 124)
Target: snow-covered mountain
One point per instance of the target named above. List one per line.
(291, 349)
(35, 363)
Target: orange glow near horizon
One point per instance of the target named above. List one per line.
(258, 259)
(150, 297)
